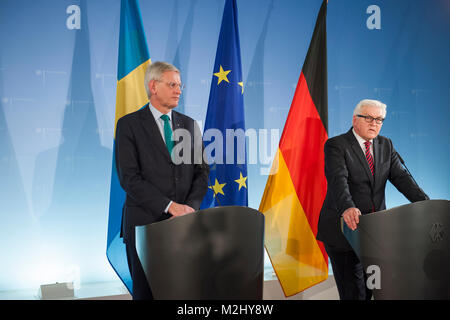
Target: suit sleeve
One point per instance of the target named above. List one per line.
(199, 184)
(143, 192)
(336, 173)
(401, 179)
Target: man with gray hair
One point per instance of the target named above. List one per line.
(357, 167)
(156, 187)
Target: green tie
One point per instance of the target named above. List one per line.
(167, 133)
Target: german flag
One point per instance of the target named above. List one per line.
(296, 187)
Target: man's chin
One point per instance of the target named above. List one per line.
(172, 106)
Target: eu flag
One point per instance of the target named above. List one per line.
(130, 96)
(224, 132)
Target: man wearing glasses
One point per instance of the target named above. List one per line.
(157, 187)
(357, 167)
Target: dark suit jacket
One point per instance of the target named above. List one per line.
(351, 184)
(147, 173)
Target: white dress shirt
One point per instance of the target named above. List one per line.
(160, 122)
(361, 143)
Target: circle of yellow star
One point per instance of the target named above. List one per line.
(217, 187)
(241, 181)
(222, 75)
(242, 85)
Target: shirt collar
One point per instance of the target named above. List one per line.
(157, 114)
(360, 140)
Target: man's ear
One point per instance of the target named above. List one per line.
(152, 86)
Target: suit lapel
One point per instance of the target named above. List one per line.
(153, 132)
(176, 121)
(360, 155)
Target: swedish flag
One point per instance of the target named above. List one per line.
(228, 163)
(131, 96)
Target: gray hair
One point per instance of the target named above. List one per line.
(371, 103)
(154, 72)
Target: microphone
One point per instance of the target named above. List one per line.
(407, 170)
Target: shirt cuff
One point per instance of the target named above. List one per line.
(168, 206)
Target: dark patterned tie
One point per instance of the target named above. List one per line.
(369, 156)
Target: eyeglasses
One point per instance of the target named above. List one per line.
(173, 85)
(369, 119)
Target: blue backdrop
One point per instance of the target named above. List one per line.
(58, 64)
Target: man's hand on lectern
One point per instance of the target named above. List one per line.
(351, 217)
(178, 210)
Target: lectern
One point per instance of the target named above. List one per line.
(216, 253)
(409, 247)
